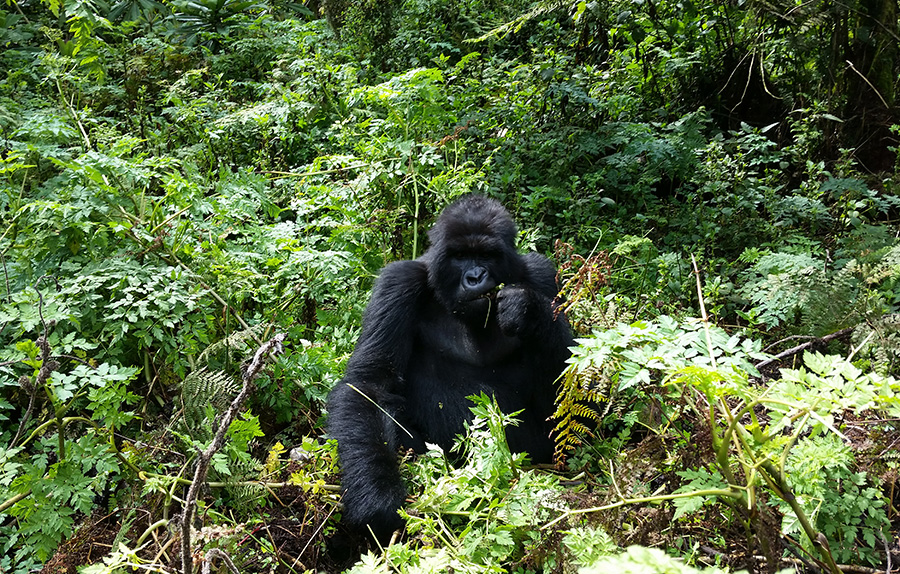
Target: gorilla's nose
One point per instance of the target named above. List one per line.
(474, 277)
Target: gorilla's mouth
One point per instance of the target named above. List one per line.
(490, 294)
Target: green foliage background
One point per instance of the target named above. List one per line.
(179, 180)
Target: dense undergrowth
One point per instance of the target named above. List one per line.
(181, 180)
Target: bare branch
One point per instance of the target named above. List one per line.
(800, 348)
(250, 371)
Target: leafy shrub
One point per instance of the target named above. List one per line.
(485, 512)
(620, 365)
(50, 481)
(638, 560)
(796, 450)
(841, 503)
(134, 308)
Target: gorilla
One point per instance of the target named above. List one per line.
(471, 315)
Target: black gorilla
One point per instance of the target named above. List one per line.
(436, 331)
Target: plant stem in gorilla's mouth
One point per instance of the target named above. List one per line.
(491, 296)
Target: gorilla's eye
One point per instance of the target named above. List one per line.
(475, 255)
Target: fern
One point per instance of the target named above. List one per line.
(245, 492)
(879, 341)
(798, 290)
(205, 387)
(834, 301)
(777, 285)
(581, 279)
(572, 413)
(212, 384)
(232, 348)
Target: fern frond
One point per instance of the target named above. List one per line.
(584, 411)
(244, 471)
(240, 341)
(580, 389)
(206, 387)
(878, 340)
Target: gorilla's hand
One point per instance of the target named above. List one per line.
(374, 505)
(517, 310)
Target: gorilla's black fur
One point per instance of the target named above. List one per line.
(436, 331)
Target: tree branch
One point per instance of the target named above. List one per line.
(250, 371)
(799, 348)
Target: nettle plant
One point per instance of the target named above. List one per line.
(780, 445)
(47, 479)
(624, 364)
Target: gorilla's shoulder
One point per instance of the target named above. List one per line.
(403, 271)
(401, 280)
(541, 272)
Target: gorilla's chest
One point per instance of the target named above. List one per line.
(451, 361)
(482, 346)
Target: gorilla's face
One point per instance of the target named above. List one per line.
(472, 253)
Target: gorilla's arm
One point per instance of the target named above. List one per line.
(367, 439)
(526, 310)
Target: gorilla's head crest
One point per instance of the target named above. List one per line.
(472, 251)
(473, 216)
